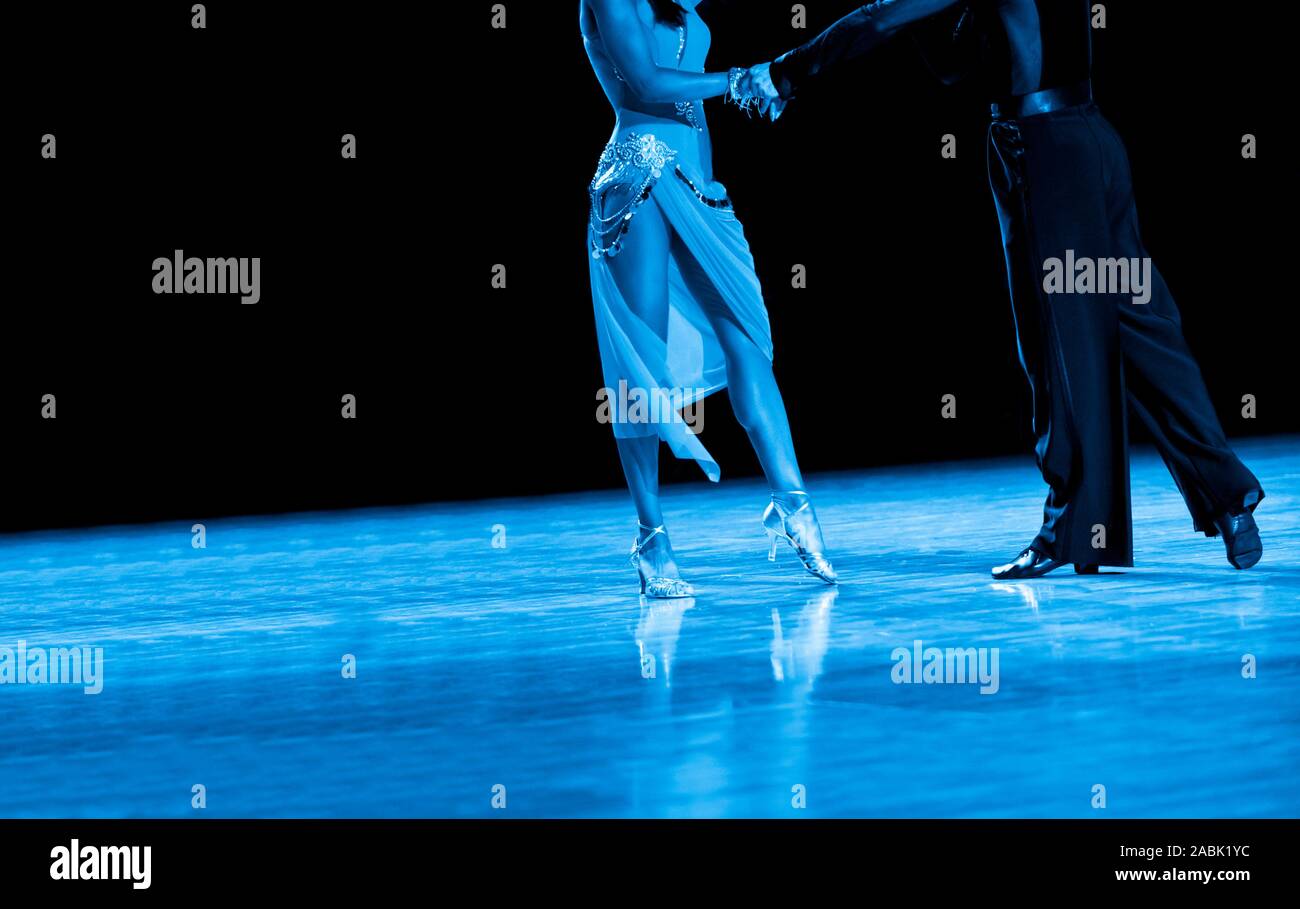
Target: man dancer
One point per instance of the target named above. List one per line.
(1063, 191)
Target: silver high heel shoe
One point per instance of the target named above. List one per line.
(792, 526)
(656, 588)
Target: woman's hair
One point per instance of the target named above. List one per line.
(668, 12)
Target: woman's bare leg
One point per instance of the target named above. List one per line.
(641, 273)
(758, 405)
(755, 396)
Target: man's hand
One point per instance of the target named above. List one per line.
(761, 78)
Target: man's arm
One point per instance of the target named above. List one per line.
(948, 44)
(858, 33)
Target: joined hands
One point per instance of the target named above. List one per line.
(753, 89)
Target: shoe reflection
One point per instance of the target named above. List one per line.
(1027, 592)
(799, 657)
(657, 631)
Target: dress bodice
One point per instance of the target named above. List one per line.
(684, 48)
(650, 136)
(687, 48)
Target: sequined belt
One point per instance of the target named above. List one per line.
(722, 203)
(625, 177)
(1042, 102)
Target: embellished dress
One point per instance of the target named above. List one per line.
(660, 154)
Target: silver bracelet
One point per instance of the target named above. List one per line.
(734, 75)
(746, 102)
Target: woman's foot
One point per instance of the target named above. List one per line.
(790, 517)
(652, 555)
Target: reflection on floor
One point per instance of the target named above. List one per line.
(502, 655)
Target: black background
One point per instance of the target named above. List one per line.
(475, 148)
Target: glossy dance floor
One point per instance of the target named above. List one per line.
(534, 667)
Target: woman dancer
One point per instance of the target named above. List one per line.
(679, 311)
